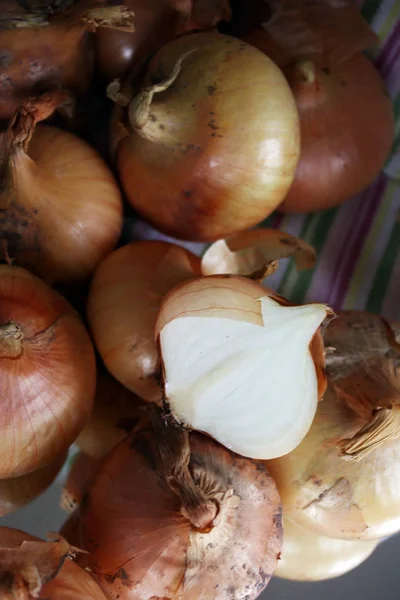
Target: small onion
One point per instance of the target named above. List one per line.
(190, 522)
(61, 207)
(308, 556)
(16, 493)
(125, 297)
(212, 143)
(32, 568)
(232, 353)
(48, 373)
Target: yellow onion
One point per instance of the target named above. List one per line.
(61, 207)
(308, 556)
(209, 145)
(241, 364)
(124, 300)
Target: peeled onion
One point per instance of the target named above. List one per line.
(61, 207)
(308, 556)
(209, 145)
(125, 297)
(194, 523)
(47, 373)
(238, 365)
(32, 568)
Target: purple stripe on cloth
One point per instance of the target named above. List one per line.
(389, 50)
(358, 242)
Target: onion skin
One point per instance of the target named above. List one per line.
(192, 169)
(331, 496)
(48, 373)
(143, 529)
(125, 296)
(71, 582)
(16, 493)
(307, 556)
(79, 478)
(63, 208)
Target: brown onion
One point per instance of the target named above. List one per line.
(19, 491)
(209, 145)
(116, 413)
(308, 556)
(125, 296)
(78, 480)
(156, 23)
(29, 66)
(189, 522)
(48, 373)
(61, 207)
(32, 568)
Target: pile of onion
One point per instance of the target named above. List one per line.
(156, 23)
(342, 481)
(191, 521)
(346, 116)
(48, 373)
(124, 300)
(29, 67)
(308, 556)
(209, 144)
(61, 209)
(32, 568)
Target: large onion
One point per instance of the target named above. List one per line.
(238, 365)
(308, 556)
(209, 144)
(61, 207)
(194, 523)
(125, 296)
(47, 374)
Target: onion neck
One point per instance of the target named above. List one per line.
(11, 340)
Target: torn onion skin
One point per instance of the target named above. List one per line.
(186, 161)
(62, 209)
(148, 540)
(336, 495)
(223, 341)
(48, 373)
(116, 413)
(308, 556)
(32, 568)
(125, 296)
(19, 491)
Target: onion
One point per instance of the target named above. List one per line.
(31, 568)
(232, 352)
(336, 89)
(116, 413)
(61, 208)
(308, 556)
(48, 373)
(79, 477)
(189, 522)
(125, 296)
(156, 23)
(28, 66)
(15, 493)
(343, 479)
(70, 530)
(209, 145)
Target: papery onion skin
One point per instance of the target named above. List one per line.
(48, 373)
(16, 493)
(71, 583)
(64, 208)
(141, 546)
(125, 296)
(218, 151)
(331, 496)
(307, 556)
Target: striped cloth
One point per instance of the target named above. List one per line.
(358, 243)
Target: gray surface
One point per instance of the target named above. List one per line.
(377, 579)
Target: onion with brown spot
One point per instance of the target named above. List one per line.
(194, 523)
(48, 373)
